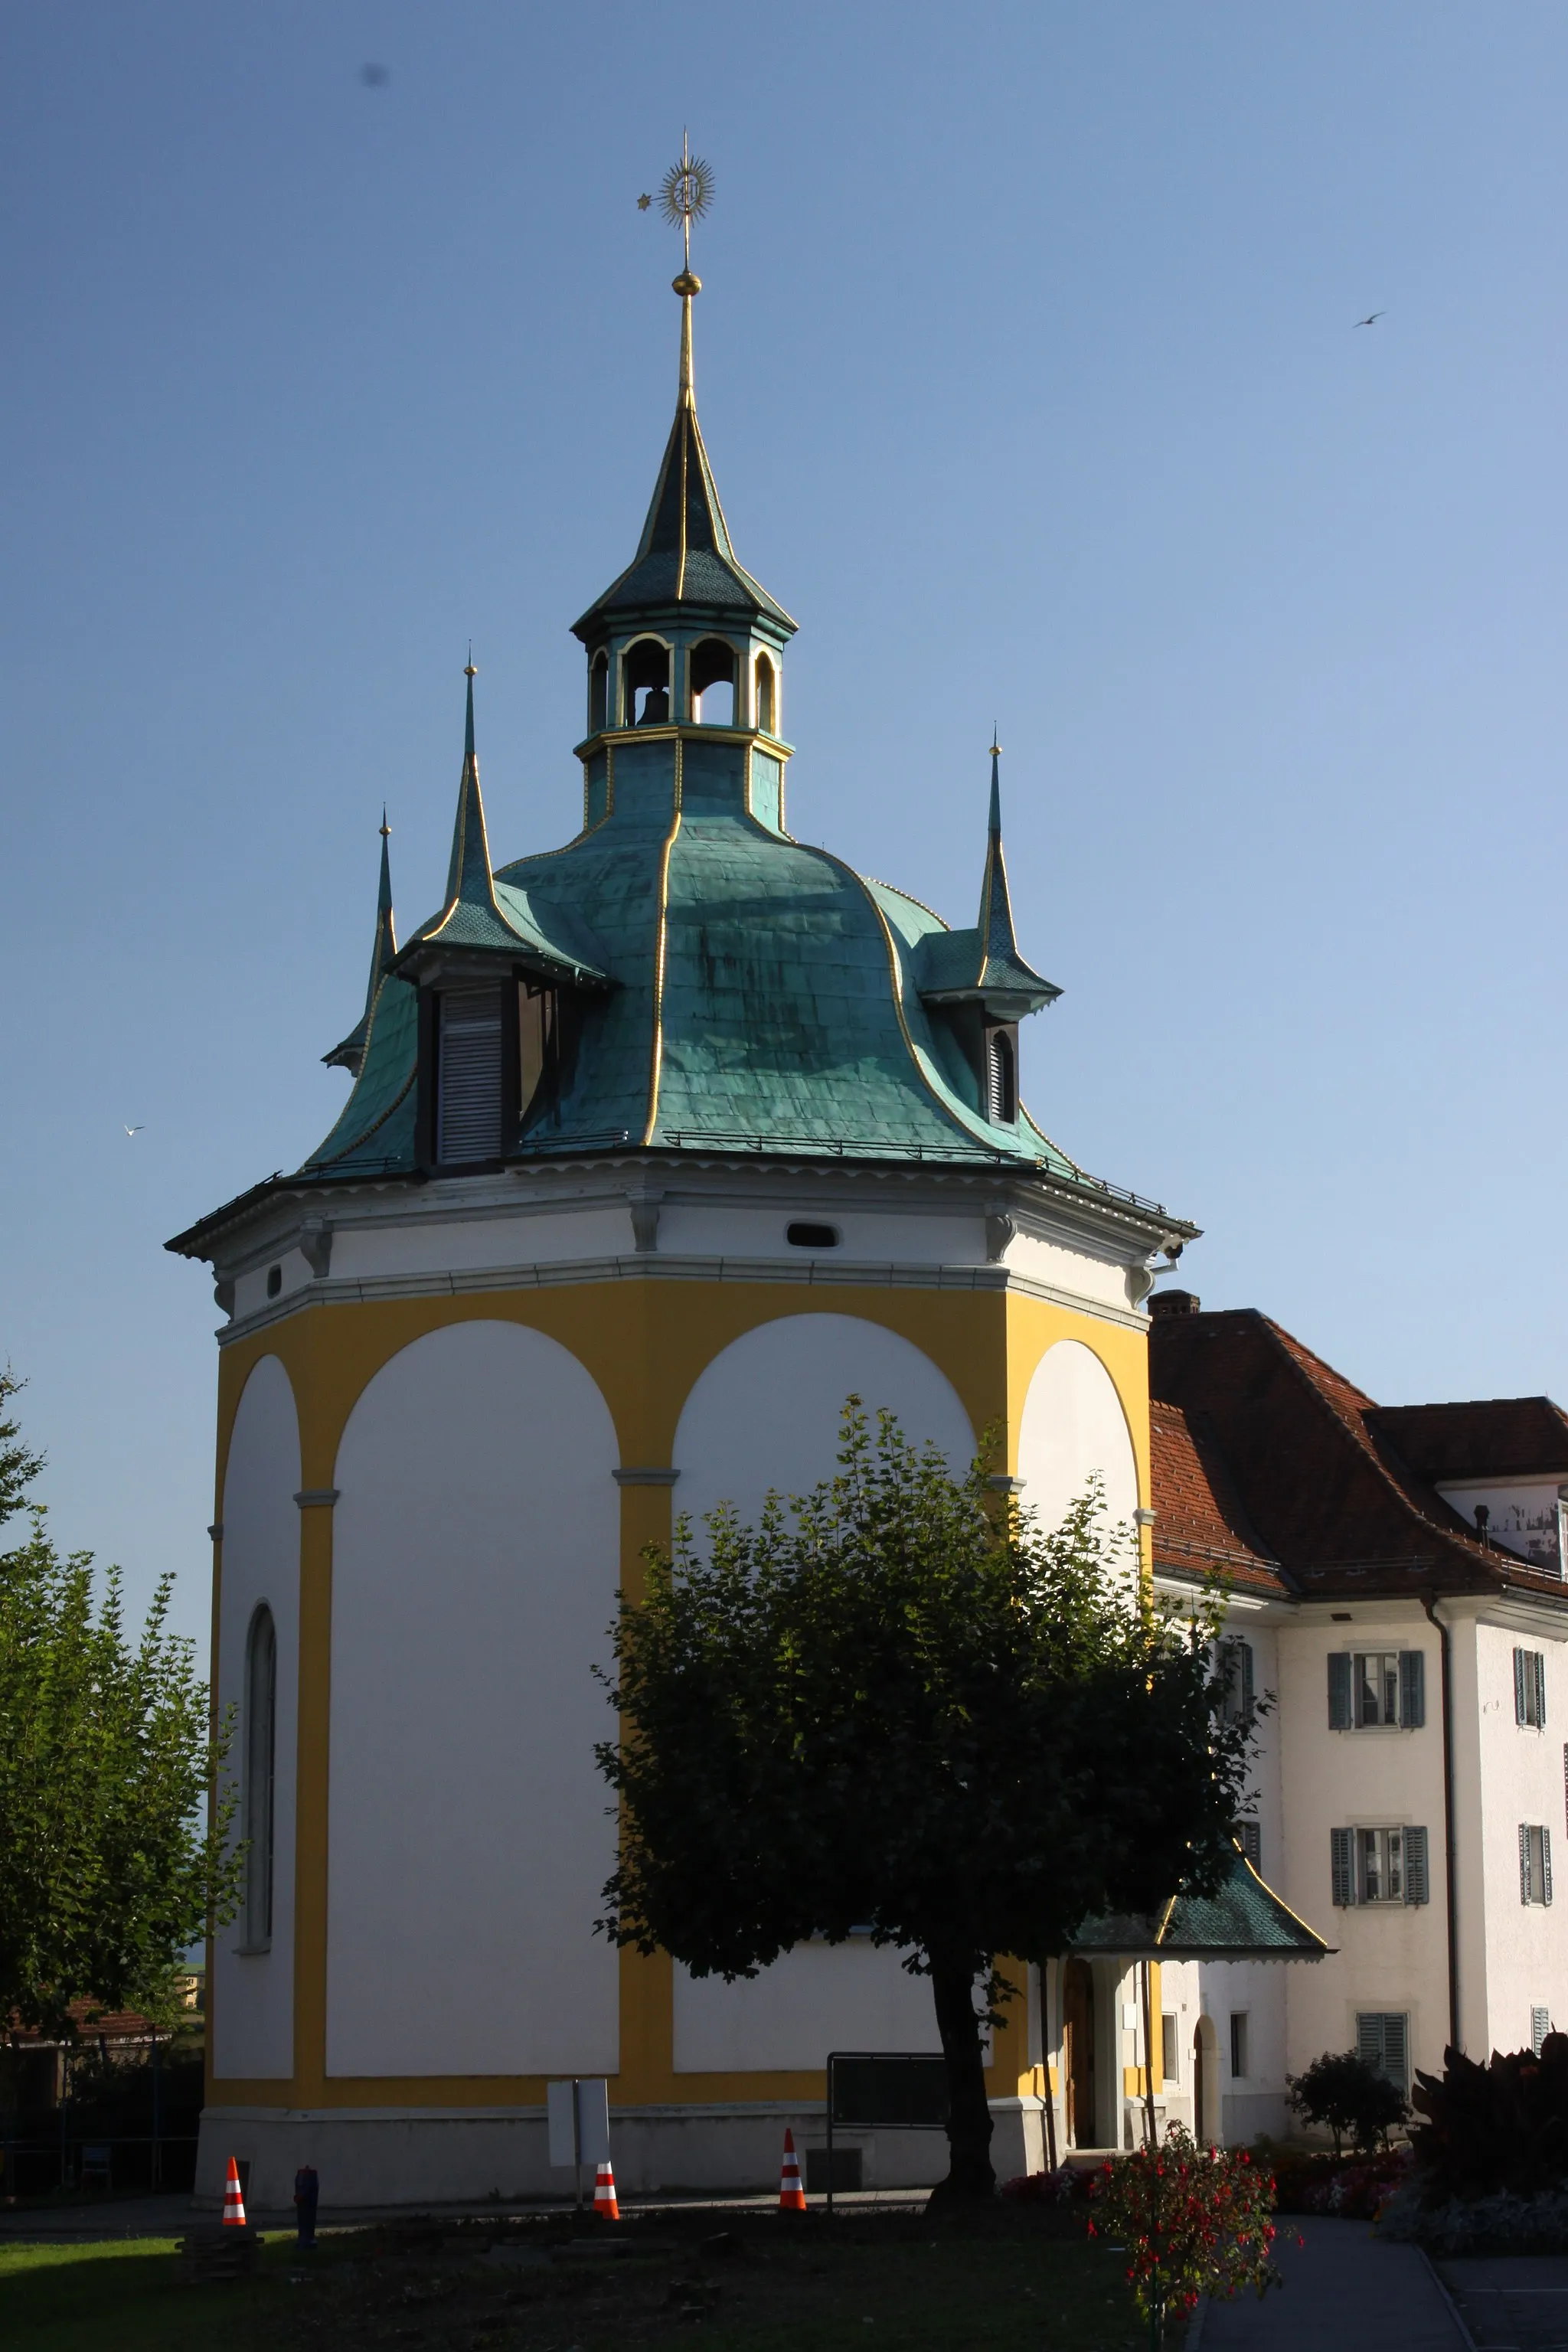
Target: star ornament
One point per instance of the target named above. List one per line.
(643, 203)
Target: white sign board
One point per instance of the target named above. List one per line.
(579, 2118)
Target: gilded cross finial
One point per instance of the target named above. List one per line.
(685, 193)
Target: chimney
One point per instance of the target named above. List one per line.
(1175, 1302)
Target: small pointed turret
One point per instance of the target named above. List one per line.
(468, 872)
(350, 1054)
(684, 557)
(983, 966)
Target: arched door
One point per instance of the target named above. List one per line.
(1078, 2051)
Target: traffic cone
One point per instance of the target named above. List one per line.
(604, 2203)
(791, 2196)
(233, 2203)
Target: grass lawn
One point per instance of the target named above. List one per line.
(731, 2283)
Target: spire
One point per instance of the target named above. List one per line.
(685, 555)
(350, 1054)
(983, 966)
(468, 881)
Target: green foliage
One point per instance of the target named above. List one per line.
(1193, 2222)
(1502, 2126)
(896, 1705)
(106, 1758)
(18, 1465)
(1341, 2090)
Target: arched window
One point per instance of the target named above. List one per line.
(767, 716)
(712, 678)
(260, 1762)
(645, 678)
(1001, 1080)
(599, 694)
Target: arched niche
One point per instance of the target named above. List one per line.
(712, 671)
(767, 1411)
(1073, 1424)
(766, 695)
(644, 683)
(475, 1568)
(258, 1586)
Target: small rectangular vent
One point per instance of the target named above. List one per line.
(468, 1075)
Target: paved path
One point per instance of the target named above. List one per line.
(1518, 2302)
(1345, 2290)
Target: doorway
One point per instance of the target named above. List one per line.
(1078, 2051)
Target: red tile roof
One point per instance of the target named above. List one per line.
(1340, 1508)
(1199, 1521)
(1492, 1437)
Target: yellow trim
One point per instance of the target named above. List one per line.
(656, 1063)
(645, 1344)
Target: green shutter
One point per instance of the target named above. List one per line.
(1523, 1856)
(1540, 1658)
(1418, 1877)
(1519, 1705)
(1546, 1865)
(1412, 1689)
(1339, 1690)
(1342, 1866)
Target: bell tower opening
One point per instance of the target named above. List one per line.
(713, 675)
(599, 694)
(766, 707)
(644, 683)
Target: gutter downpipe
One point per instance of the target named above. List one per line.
(1450, 1880)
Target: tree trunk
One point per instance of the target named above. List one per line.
(970, 2176)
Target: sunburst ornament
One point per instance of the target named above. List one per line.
(686, 192)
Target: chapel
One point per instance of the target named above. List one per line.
(657, 1144)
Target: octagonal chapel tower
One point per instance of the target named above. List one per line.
(658, 1145)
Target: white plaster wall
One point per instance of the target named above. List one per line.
(253, 1994)
(1521, 1779)
(1074, 1271)
(1392, 1958)
(1073, 1424)
(359, 1252)
(765, 1412)
(818, 1997)
(919, 1237)
(474, 1576)
(250, 1289)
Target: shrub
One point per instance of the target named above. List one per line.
(1502, 2126)
(1355, 2100)
(1194, 2221)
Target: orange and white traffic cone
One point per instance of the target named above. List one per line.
(791, 2196)
(233, 2203)
(604, 2203)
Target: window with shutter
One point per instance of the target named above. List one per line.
(1249, 1838)
(468, 1075)
(1342, 1866)
(1417, 1881)
(1412, 1689)
(1539, 2026)
(1529, 1690)
(1339, 1690)
(1545, 1865)
(1523, 1863)
(1534, 1863)
(1540, 1716)
(1383, 2042)
(1234, 1665)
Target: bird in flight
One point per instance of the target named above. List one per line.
(1372, 319)
(132, 1130)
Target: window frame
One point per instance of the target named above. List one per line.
(1240, 2055)
(260, 1792)
(1529, 1689)
(1535, 1865)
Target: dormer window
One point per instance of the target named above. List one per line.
(1001, 1079)
(767, 714)
(538, 1041)
(469, 1075)
(599, 694)
(712, 678)
(645, 677)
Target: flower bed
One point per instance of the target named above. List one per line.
(1356, 2187)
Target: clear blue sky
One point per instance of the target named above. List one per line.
(1027, 369)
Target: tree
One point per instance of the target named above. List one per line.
(18, 1467)
(107, 1755)
(899, 1705)
(1342, 2090)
